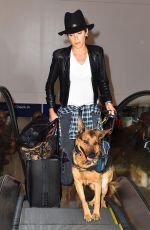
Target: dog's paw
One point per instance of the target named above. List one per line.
(88, 217)
(103, 205)
(96, 216)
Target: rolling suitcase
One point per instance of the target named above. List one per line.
(39, 151)
(9, 195)
(43, 182)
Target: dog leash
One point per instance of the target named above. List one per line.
(106, 118)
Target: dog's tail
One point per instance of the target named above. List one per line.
(112, 192)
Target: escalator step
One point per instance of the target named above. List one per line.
(59, 216)
(69, 227)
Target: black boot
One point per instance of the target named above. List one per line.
(65, 198)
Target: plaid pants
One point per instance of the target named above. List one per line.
(86, 112)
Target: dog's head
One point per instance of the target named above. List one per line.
(88, 144)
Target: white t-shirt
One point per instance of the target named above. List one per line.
(81, 90)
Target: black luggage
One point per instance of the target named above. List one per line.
(9, 195)
(43, 182)
(39, 151)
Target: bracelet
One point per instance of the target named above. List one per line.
(107, 102)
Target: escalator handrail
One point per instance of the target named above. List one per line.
(139, 193)
(9, 101)
(7, 96)
(120, 215)
(132, 97)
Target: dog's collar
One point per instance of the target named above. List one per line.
(81, 169)
(101, 166)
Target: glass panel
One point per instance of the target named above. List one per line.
(131, 144)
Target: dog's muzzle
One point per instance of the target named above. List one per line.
(90, 156)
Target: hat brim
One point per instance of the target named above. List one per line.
(76, 29)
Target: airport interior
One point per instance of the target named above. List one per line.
(28, 36)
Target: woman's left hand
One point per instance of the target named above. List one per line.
(110, 108)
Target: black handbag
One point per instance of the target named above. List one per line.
(38, 130)
(38, 140)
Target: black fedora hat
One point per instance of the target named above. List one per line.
(75, 22)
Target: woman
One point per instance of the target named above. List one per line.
(81, 72)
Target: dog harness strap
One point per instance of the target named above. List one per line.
(102, 162)
(99, 167)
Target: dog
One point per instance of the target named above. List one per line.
(86, 155)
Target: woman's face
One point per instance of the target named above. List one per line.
(77, 40)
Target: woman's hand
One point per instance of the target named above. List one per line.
(110, 108)
(52, 115)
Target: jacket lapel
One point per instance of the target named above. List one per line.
(92, 61)
(67, 63)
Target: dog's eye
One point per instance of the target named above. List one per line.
(85, 141)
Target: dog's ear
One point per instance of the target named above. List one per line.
(81, 126)
(102, 133)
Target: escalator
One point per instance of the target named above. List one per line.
(114, 217)
(131, 142)
(133, 159)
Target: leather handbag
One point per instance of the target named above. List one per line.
(38, 140)
(38, 130)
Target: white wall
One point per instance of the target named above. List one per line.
(28, 36)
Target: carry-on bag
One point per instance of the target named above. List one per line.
(10, 189)
(39, 150)
(38, 130)
(43, 182)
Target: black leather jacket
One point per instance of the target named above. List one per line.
(60, 68)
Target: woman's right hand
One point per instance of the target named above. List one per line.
(52, 115)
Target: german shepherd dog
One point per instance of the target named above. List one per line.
(86, 155)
